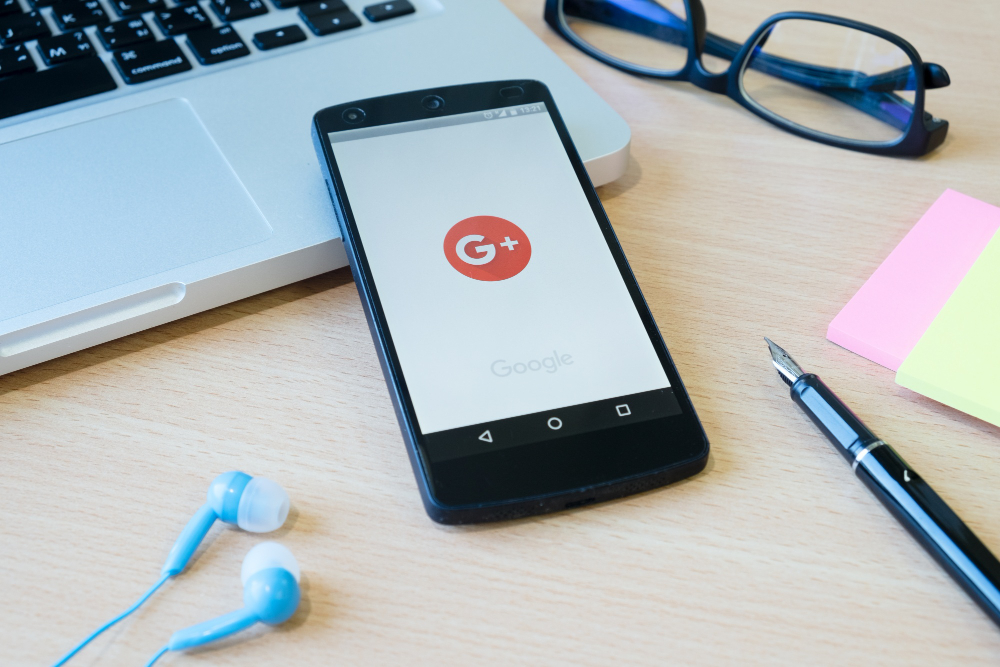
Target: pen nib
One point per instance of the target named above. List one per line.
(788, 370)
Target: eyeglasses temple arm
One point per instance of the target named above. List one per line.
(902, 78)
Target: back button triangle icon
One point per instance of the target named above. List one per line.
(486, 437)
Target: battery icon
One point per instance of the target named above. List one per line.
(513, 112)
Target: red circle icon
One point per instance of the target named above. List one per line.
(485, 247)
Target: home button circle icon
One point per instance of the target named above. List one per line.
(555, 423)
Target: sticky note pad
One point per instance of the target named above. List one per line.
(957, 360)
(889, 314)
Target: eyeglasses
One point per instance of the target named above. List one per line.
(832, 80)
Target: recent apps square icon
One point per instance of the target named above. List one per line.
(485, 247)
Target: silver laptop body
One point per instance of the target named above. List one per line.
(134, 207)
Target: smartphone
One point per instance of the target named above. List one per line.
(524, 365)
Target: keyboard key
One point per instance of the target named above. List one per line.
(22, 28)
(72, 81)
(126, 8)
(120, 34)
(237, 10)
(214, 45)
(57, 50)
(327, 24)
(73, 15)
(145, 62)
(16, 60)
(8, 7)
(388, 10)
(182, 19)
(272, 39)
(321, 7)
(287, 4)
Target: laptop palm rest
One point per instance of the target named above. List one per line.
(127, 196)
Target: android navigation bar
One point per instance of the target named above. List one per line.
(556, 423)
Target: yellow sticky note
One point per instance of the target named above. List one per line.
(957, 360)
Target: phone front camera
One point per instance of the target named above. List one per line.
(432, 103)
(353, 115)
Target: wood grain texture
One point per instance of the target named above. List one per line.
(775, 554)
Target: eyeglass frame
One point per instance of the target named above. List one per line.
(918, 139)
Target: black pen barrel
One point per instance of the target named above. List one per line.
(905, 494)
(929, 519)
(840, 425)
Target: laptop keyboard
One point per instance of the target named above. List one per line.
(58, 51)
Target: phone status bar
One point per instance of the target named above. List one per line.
(441, 121)
(511, 112)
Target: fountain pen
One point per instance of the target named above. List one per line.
(906, 495)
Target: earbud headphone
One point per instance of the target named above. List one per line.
(270, 573)
(271, 595)
(255, 504)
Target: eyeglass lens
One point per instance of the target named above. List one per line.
(642, 32)
(831, 79)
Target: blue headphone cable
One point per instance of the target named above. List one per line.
(159, 654)
(114, 620)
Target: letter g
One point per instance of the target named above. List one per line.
(490, 250)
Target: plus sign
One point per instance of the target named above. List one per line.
(507, 243)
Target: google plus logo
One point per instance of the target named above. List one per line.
(485, 247)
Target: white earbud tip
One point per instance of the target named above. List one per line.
(265, 556)
(263, 506)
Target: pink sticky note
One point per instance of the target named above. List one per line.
(891, 311)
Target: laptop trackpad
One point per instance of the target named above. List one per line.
(113, 200)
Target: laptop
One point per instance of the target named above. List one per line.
(156, 158)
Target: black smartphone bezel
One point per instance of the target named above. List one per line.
(560, 473)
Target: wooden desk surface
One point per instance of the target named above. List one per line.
(775, 554)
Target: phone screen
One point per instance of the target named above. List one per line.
(508, 313)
